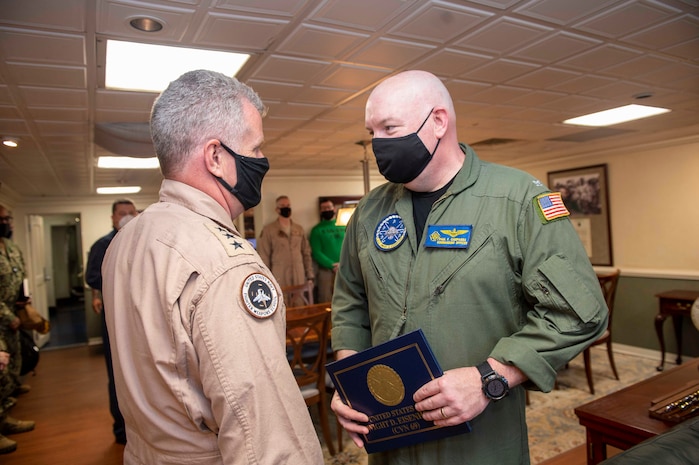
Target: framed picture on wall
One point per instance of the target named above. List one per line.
(586, 196)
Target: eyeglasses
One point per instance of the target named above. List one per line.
(6, 219)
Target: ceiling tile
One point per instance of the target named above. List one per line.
(42, 47)
(238, 32)
(451, 62)
(625, 19)
(298, 70)
(501, 36)
(368, 15)
(435, 22)
(317, 42)
(666, 35)
(555, 47)
(561, 11)
(389, 53)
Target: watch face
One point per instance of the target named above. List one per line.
(496, 388)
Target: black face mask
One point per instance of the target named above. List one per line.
(327, 215)
(402, 159)
(250, 173)
(285, 212)
(5, 231)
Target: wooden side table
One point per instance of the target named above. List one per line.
(676, 303)
(621, 419)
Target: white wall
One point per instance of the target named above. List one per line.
(653, 196)
(654, 207)
(303, 192)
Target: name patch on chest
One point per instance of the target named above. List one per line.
(259, 295)
(449, 236)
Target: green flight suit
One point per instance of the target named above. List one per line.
(523, 292)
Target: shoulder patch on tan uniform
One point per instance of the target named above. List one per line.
(260, 297)
(234, 244)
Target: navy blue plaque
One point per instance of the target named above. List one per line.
(381, 381)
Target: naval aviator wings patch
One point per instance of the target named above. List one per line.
(234, 244)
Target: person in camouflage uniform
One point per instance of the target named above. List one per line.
(12, 274)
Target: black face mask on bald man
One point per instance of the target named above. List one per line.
(402, 159)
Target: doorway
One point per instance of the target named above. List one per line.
(65, 289)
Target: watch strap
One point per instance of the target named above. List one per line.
(485, 369)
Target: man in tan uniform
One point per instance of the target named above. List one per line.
(198, 343)
(284, 248)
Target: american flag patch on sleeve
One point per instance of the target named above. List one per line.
(551, 206)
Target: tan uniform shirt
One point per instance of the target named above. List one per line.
(288, 256)
(200, 379)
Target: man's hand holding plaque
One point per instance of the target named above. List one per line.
(380, 383)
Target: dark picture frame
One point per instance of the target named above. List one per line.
(340, 200)
(585, 193)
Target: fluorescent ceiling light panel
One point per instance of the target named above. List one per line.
(128, 163)
(616, 115)
(119, 190)
(150, 68)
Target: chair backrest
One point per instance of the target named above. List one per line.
(298, 295)
(608, 281)
(307, 330)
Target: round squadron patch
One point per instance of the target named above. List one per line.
(259, 296)
(390, 233)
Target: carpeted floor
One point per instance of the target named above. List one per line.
(553, 426)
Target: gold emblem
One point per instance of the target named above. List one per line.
(385, 385)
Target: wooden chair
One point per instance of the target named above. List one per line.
(296, 296)
(307, 332)
(608, 281)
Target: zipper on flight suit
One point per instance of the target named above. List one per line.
(440, 287)
(404, 316)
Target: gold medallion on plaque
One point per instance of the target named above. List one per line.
(385, 385)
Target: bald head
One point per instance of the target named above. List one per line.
(416, 102)
(412, 92)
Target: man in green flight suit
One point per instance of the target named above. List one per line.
(481, 257)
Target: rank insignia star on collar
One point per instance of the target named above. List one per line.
(232, 242)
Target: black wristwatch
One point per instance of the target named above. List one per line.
(495, 386)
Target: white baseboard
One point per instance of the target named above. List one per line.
(643, 352)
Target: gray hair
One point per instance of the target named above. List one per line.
(197, 106)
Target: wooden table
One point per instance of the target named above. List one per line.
(621, 419)
(676, 304)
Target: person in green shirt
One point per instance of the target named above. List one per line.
(326, 243)
(482, 257)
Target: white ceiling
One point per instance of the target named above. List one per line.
(515, 69)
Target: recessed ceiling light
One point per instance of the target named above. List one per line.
(146, 24)
(10, 142)
(616, 115)
(128, 163)
(150, 68)
(119, 190)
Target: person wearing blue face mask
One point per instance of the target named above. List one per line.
(481, 257)
(198, 343)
